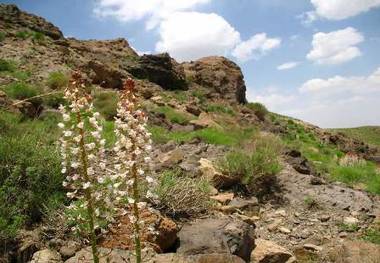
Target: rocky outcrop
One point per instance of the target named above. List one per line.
(11, 15)
(221, 76)
(217, 235)
(160, 69)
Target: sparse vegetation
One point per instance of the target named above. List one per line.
(7, 65)
(311, 203)
(349, 227)
(259, 109)
(23, 34)
(30, 177)
(372, 234)
(106, 104)
(57, 80)
(180, 195)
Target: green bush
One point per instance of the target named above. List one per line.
(106, 104)
(257, 168)
(7, 65)
(259, 109)
(38, 37)
(22, 91)
(2, 36)
(181, 196)
(30, 175)
(57, 80)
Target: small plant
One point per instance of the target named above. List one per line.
(349, 227)
(259, 109)
(372, 234)
(57, 80)
(22, 91)
(38, 37)
(180, 195)
(106, 104)
(200, 94)
(311, 203)
(7, 65)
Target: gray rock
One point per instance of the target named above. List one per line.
(46, 256)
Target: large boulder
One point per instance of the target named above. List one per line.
(221, 76)
(160, 69)
(217, 235)
(10, 14)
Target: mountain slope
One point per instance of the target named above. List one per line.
(367, 134)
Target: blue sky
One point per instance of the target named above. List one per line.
(331, 75)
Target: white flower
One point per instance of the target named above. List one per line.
(140, 172)
(149, 179)
(66, 117)
(90, 146)
(63, 170)
(80, 125)
(67, 133)
(61, 125)
(131, 200)
(86, 185)
(90, 171)
(77, 138)
(102, 165)
(75, 165)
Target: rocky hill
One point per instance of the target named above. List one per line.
(310, 195)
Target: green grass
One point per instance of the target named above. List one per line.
(208, 135)
(174, 115)
(23, 34)
(372, 235)
(30, 177)
(57, 80)
(367, 134)
(20, 91)
(220, 108)
(7, 65)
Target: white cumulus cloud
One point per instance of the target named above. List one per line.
(342, 9)
(255, 47)
(339, 101)
(335, 47)
(153, 10)
(288, 65)
(191, 35)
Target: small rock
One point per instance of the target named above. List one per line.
(269, 252)
(284, 230)
(343, 234)
(349, 220)
(223, 198)
(69, 249)
(46, 256)
(249, 207)
(273, 226)
(324, 218)
(171, 158)
(280, 212)
(312, 247)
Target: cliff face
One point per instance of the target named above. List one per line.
(107, 62)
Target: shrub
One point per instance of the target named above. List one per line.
(106, 103)
(255, 170)
(259, 109)
(57, 79)
(38, 37)
(30, 175)
(7, 65)
(182, 196)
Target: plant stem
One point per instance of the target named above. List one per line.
(90, 208)
(135, 207)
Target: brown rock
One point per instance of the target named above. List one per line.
(223, 198)
(355, 252)
(217, 235)
(221, 76)
(46, 256)
(171, 158)
(205, 120)
(269, 252)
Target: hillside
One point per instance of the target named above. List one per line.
(367, 134)
(235, 182)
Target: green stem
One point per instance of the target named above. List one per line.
(88, 195)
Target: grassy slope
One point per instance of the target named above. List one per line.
(367, 134)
